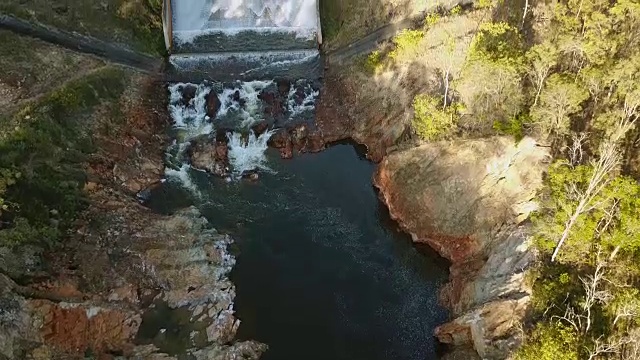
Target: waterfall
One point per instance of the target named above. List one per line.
(197, 18)
(244, 39)
(248, 155)
(239, 108)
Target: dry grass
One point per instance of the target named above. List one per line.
(344, 21)
(132, 23)
(31, 67)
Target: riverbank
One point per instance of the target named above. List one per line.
(84, 267)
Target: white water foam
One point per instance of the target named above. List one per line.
(192, 118)
(252, 111)
(247, 155)
(183, 177)
(308, 103)
(191, 121)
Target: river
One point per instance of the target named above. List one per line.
(322, 271)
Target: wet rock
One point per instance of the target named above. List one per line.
(188, 93)
(299, 96)
(299, 136)
(467, 199)
(211, 155)
(279, 139)
(283, 87)
(251, 175)
(145, 194)
(213, 104)
(259, 128)
(286, 152)
(238, 98)
(272, 102)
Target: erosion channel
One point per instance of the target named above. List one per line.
(321, 270)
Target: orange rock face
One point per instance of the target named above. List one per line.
(466, 199)
(74, 329)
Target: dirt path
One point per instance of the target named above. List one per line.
(115, 53)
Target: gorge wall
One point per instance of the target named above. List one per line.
(468, 199)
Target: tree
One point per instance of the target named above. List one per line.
(560, 98)
(541, 59)
(430, 121)
(449, 52)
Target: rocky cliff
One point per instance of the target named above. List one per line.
(120, 281)
(469, 200)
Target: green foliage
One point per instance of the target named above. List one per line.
(513, 126)
(373, 63)
(550, 341)
(620, 198)
(560, 99)
(496, 90)
(498, 42)
(484, 4)
(431, 19)
(554, 285)
(583, 74)
(406, 42)
(42, 158)
(145, 17)
(330, 17)
(430, 121)
(456, 10)
(491, 79)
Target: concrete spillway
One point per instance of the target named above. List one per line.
(204, 35)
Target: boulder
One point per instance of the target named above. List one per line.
(467, 199)
(210, 155)
(273, 103)
(283, 87)
(259, 128)
(188, 93)
(213, 104)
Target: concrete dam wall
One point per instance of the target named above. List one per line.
(246, 38)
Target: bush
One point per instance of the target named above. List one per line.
(430, 121)
(499, 42)
(406, 42)
(42, 155)
(550, 341)
(513, 126)
(373, 62)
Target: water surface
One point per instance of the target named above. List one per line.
(322, 272)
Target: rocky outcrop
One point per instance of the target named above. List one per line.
(468, 200)
(177, 263)
(125, 283)
(210, 154)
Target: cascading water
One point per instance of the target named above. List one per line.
(244, 39)
(195, 20)
(239, 109)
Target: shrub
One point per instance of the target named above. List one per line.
(373, 62)
(42, 155)
(430, 121)
(406, 42)
(550, 341)
(513, 126)
(431, 19)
